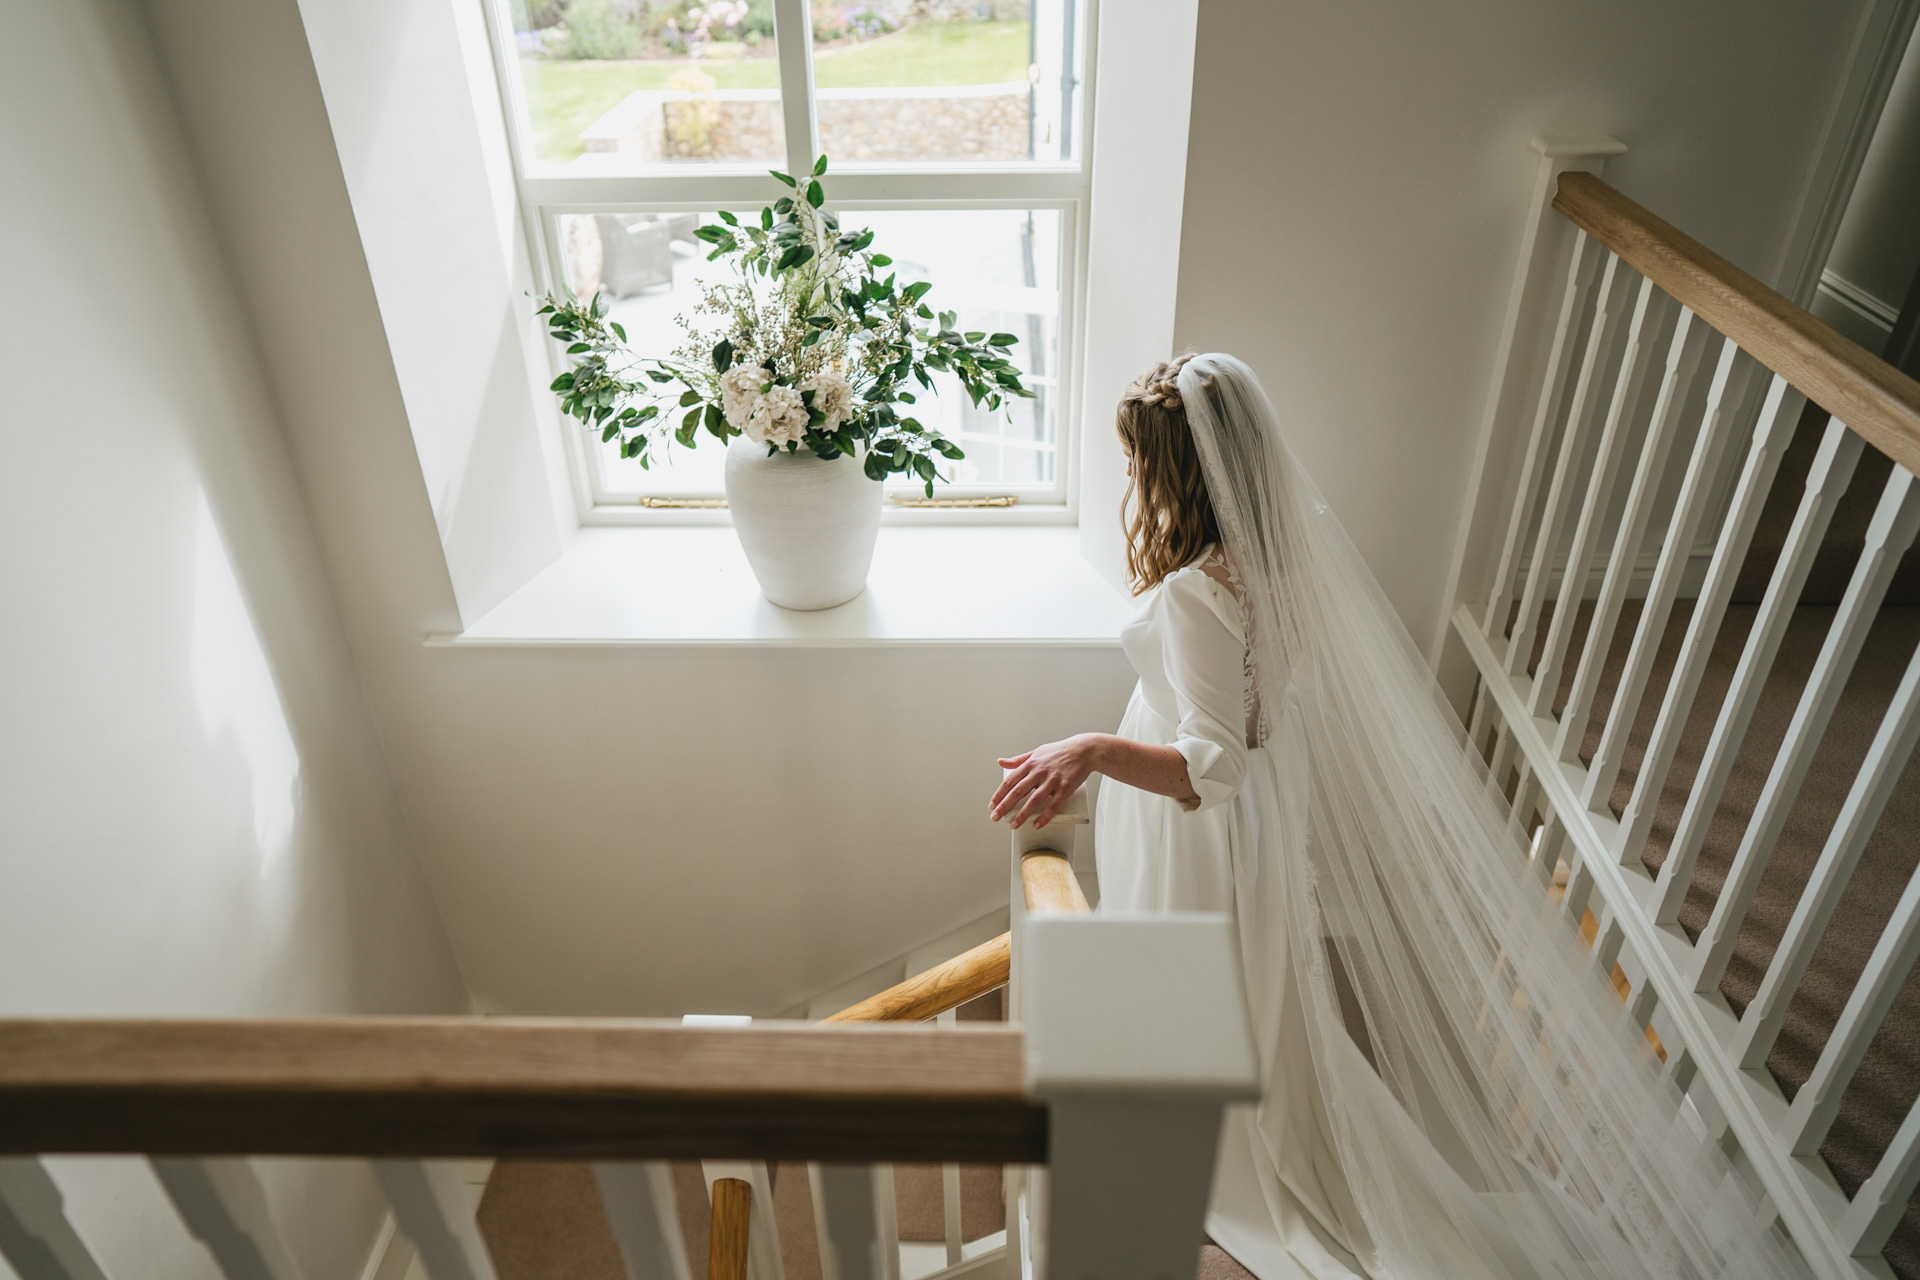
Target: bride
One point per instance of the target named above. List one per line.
(1448, 1088)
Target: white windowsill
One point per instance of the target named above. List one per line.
(690, 585)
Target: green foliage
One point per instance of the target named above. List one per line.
(603, 30)
(759, 20)
(813, 304)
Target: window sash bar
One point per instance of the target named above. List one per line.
(981, 188)
(793, 48)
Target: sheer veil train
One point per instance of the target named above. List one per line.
(1506, 1126)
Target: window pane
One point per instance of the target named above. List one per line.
(924, 81)
(612, 86)
(648, 265)
(999, 269)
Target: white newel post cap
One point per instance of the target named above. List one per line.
(1058, 834)
(1136, 1005)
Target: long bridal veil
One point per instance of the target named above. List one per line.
(1490, 1113)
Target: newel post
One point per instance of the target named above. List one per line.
(1056, 838)
(1137, 1038)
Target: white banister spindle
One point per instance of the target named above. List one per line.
(1581, 268)
(1882, 1200)
(433, 1208)
(35, 1237)
(854, 1221)
(1608, 305)
(1013, 1190)
(223, 1204)
(1547, 846)
(1889, 534)
(1501, 765)
(1526, 794)
(1684, 349)
(1675, 553)
(1826, 481)
(950, 1204)
(1772, 433)
(1593, 507)
(763, 1229)
(1137, 1038)
(1887, 757)
(1894, 955)
(639, 1203)
(1579, 890)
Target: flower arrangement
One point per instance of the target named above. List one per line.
(813, 344)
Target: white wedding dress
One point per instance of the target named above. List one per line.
(1280, 1203)
(1447, 1088)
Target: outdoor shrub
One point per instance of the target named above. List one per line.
(604, 29)
(864, 21)
(758, 24)
(536, 15)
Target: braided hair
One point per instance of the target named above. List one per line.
(1167, 514)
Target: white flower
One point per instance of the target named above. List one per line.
(779, 417)
(740, 392)
(832, 396)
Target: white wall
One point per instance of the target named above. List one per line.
(623, 829)
(1356, 180)
(425, 160)
(195, 814)
(652, 830)
(1144, 82)
(1877, 248)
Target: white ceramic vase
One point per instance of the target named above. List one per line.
(808, 526)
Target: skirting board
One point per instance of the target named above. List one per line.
(1878, 312)
(1637, 582)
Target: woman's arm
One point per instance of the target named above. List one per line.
(1042, 779)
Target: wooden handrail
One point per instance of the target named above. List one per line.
(627, 1089)
(1862, 390)
(967, 976)
(1050, 886)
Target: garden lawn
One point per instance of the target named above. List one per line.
(565, 97)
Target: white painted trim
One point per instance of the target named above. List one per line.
(1644, 565)
(1879, 44)
(905, 965)
(546, 190)
(686, 585)
(1878, 312)
(1514, 389)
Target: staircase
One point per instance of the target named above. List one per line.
(542, 1220)
(1888, 1079)
(1689, 596)
(856, 1148)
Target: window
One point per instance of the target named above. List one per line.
(957, 131)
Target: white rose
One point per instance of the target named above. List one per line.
(779, 417)
(832, 396)
(739, 392)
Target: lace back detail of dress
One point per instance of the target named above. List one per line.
(1221, 570)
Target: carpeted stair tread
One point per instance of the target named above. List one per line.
(1217, 1264)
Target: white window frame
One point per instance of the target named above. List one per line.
(546, 192)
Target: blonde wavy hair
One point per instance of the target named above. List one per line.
(1167, 514)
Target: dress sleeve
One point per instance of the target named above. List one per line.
(1206, 665)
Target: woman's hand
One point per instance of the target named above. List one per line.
(1043, 778)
